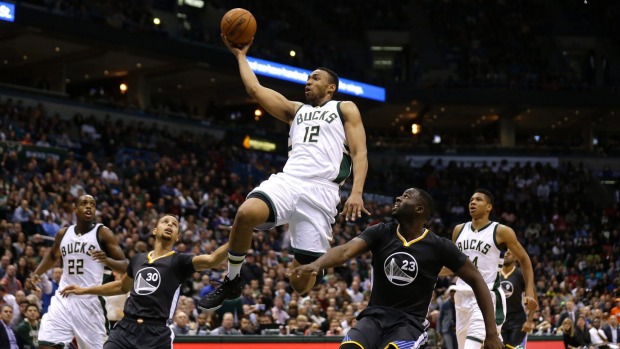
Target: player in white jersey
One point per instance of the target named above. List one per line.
(84, 248)
(327, 140)
(482, 241)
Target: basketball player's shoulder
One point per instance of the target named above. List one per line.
(386, 227)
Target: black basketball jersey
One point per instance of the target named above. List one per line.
(156, 284)
(405, 272)
(514, 287)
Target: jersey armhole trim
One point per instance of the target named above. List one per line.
(460, 231)
(102, 246)
(340, 112)
(501, 247)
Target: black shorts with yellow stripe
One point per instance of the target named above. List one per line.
(379, 327)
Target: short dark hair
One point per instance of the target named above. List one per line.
(487, 193)
(332, 74)
(167, 214)
(428, 202)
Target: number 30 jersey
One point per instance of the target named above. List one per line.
(157, 283)
(318, 146)
(77, 265)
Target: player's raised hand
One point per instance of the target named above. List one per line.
(234, 48)
(71, 289)
(353, 207)
(302, 269)
(99, 256)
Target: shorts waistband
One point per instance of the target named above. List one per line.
(145, 320)
(316, 180)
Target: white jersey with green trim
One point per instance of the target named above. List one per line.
(318, 146)
(481, 248)
(78, 267)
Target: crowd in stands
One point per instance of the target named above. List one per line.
(558, 212)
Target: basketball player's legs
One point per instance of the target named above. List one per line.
(311, 226)
(266, 206)
(470, 331)
(56, 325)
(367, 334)
(89, 322)
(513, 337)
(404, 336)
(128, 334)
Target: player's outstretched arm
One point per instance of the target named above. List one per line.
(206, 261)
(116, 261)
(113, 288)
(333, 257)
(508, 237)
(356, 137)
(273, 102)
(470, 274)
(49, 260)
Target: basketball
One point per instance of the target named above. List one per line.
(239, 26)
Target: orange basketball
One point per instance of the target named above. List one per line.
(239, 26)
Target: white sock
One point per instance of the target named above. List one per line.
(234, 264)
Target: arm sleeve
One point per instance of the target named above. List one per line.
(185, 266)
(452, 257)
(373, 235)
(129, 270)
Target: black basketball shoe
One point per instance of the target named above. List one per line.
(229, 289)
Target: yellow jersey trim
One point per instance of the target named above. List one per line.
(409, 243)
(506, 275)
(151, 259)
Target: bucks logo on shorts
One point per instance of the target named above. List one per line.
(508, 288)
(147, 281)
(400, 268)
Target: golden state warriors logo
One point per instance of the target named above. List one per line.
(400, 268)
(508, 288)
(147, 281)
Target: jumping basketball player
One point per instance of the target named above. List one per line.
(326, 140)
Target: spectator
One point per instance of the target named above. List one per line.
(203, 327)
(226, 329)
(182, 326)
(446, 322)
(597, 335)
(8, 339)
(49, 287)
(279, 314)
(10, 281)
(27, 331)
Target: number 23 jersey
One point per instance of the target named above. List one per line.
(157, 283)
(405, 272)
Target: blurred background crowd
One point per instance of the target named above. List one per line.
(571, 238)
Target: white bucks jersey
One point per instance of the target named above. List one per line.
(77, 265)
(480, 246)
(318, 145)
